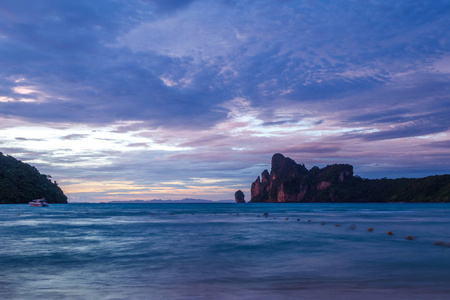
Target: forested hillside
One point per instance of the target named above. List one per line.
(21, 183)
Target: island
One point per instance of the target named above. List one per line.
(21, 183)
(289, 182)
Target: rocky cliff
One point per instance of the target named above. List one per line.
(239, 197)
(292, 182)
(21, 183)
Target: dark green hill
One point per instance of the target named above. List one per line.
(21, 183)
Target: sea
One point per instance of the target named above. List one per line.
(225, 251)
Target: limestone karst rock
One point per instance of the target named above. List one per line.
(292, 182)
(239, 197)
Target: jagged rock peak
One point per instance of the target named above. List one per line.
(282, 165)
(265, 176)
(292, 182)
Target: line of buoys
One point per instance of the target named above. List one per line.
(440, 243)
(370, 229)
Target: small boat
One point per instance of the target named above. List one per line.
(38, 202)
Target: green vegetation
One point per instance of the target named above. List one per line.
(21, 183)
(429, 189)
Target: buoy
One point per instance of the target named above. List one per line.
(353, 226)
(440, 243)
(323, 223)
(408, 237)
(389, 232)
(337, 225)
(287, 219)
(309, 220)
(266, 214)
(370, 229)
(18, 214)
(298, 219)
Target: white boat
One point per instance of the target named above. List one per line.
(38, 202)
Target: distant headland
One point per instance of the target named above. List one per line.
(181, 201)
(292, 182)
(21, 183)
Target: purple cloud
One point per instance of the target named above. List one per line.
(172, 90)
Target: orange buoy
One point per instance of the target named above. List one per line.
(408, 237)
(370, 229)
(389, 232)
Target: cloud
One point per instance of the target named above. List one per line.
(172, 6)
(74, 136)
(173, 90)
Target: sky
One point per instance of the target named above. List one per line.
(156, 99)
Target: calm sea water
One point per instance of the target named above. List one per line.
(224, 251)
